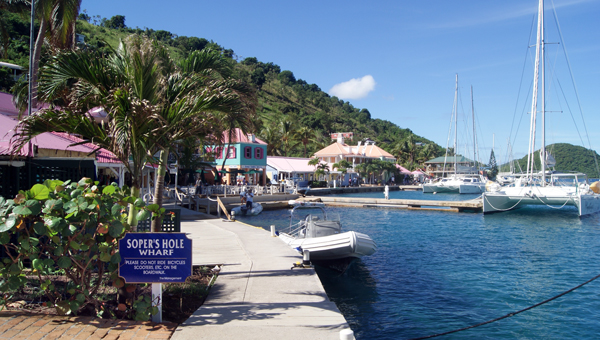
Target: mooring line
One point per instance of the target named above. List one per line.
(509, 314)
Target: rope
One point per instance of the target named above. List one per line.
(557, 208)
(497, 209)
(533, 196)
(509, 314)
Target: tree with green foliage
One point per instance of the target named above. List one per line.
(116, 22)
(287, 130)
(304, 136)
(342, 165)
(57, 25)
(73, 228)
(150, 104)
(322, 170)
(493, 171)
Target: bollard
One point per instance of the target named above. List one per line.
(273, 231)
(233, 215)
(306, 257)
(346, 334)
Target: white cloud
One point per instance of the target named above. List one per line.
(356, 88)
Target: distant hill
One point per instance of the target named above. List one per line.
(568, 158)
(282, 97)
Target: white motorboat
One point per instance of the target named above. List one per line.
(313, 229)
(257, 208)
(543, 188)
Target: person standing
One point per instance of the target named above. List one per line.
(243, 196)
(198, 186)
(249, 198)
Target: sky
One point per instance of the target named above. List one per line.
(399, 59)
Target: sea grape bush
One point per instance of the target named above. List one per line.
(71, 229)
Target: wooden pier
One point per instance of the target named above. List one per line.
(475, 205)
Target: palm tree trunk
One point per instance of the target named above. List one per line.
(37, 53)
(132, 217)
(159, 187)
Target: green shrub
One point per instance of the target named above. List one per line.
(70, 229)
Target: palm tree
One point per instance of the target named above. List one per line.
(305, 135)
(57, 23)
(148, 106)
(271, 135)
(198, 99)
(322, 169)
(123, 83)
(287, 136)
(409, 147)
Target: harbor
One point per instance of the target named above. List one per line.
(435, 272)
(329, 196)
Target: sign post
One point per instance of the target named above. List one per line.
(155, 258)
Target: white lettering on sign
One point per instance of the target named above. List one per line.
(149, 247)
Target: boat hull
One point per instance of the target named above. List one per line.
(589, 204)
(433, 188)
(350, 244)
(471, 188)
(586, 204)
(256, 209)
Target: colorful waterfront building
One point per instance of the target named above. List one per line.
(242, 156)
(360, 153)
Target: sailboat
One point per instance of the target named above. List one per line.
(468, 182)
(543, 188)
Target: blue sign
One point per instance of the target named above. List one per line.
(155, 257)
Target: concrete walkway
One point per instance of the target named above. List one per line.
(256, 295)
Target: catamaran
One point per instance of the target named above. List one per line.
(544, 187)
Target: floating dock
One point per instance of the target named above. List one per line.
(475, 205)
(363, 188)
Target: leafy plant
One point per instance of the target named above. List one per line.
(71, 228)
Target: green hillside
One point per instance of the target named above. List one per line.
(568, 158)
(286, 106)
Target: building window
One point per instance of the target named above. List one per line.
(247, 152)
(231, 153)
(258, 153)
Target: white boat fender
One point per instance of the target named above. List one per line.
(306, 257)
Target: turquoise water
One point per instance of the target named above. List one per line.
(438, 271)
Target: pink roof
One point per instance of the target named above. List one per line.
(419, 172)
(102, 155)
(402, 169)
(290, 164)
(49, 140)
(7, 126)
(7, 107)
(238, 136)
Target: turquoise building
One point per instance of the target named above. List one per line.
(244, 156)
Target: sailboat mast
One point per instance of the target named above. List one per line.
(543, 48)
(534, 101)
(474, 142)
(455, 122)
